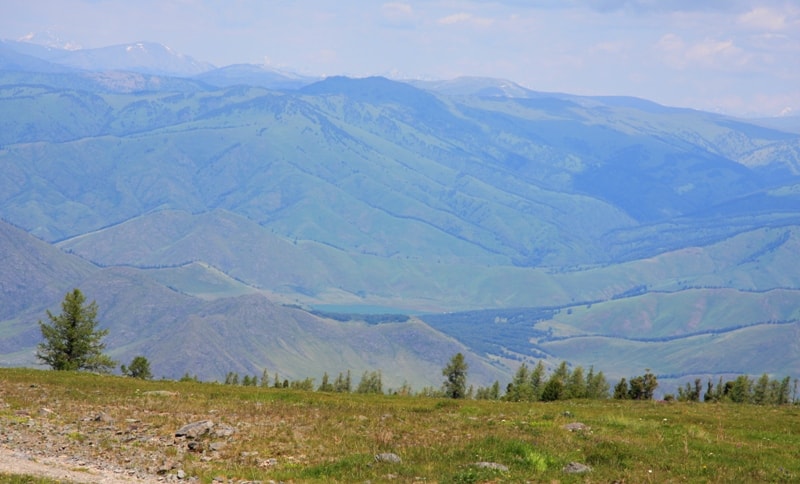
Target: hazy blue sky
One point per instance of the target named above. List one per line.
(734, 56)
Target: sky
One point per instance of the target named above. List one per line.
(739, 57)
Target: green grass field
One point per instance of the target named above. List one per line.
(294, 436)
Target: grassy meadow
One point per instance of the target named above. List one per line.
(295, 436)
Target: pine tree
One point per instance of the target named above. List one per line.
(553, 390)
(326, 385)
(596, 385)
(520, 387)
(576, 385)
(264, 378)
(621, 391)
(140, 368)
(371, 382)
(72, 341)
(456, 374)
(537, 381)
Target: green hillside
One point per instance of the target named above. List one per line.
(522, 225)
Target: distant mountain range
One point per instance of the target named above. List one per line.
(209, 211)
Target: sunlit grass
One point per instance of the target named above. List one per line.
(287, 435)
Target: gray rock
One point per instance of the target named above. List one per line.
(388, 457)
(577, 427)
(492, 465)
(576, 468)
(222, 430)
(216, 446)
(195, 429)
(103, 417)
(45, 412)
(181, 474)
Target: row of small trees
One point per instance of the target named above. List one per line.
(530, 385)
(743, 389)
(73, 342)
(371, 382)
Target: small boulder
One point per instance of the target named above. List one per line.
(576, 468)
(195, 429)
(221, 431)
(577, 427)
(491, 465)
(388, 457)
(104, 418)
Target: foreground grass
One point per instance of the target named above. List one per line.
(294, 436)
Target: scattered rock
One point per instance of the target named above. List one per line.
(195, 429)
(103, 417)
(217, 446)
(576, 468)
(577, 427)
(45, 412)
(222, 431)
(195, 446)
(388, 457)
(181, 474)
(492, 465)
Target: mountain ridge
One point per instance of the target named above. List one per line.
(237, 199)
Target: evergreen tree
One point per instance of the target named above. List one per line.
(520, 387)
(537, 381)
(643, 387)
(597, 386)
(456, 374)
(264, 378)
(740, 390)
(140, 368)
(553, 390)
(326, 385)
(783, 392)
(72, 341)
(562, 372)
(494, 394)
(761, 390)
(306, 384)
(576, 384)
(621, 391)
(488, 393)
(371, 382)
(343, 383)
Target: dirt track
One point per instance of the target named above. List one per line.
(62, 468)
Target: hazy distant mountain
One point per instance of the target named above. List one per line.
(48, 40)
(14, 59)
(142, 57)
(253, 75)
(476, 86)
(540, 224)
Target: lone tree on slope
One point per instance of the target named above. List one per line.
(72, 341)
(456, 372)
(140, 368)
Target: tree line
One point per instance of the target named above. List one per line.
(72, 342)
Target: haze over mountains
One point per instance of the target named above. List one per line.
(207, 210)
